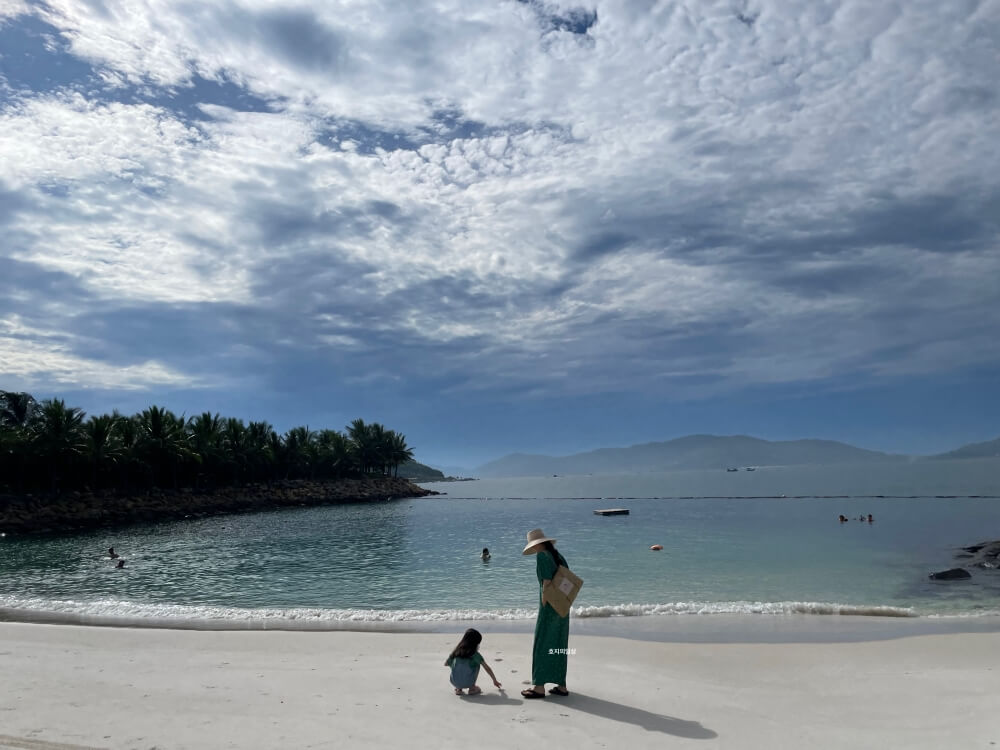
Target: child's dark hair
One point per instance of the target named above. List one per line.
(469, 644)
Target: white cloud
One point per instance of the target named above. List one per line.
(671, 196)
(42, 359)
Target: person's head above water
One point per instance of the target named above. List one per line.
(121, 564)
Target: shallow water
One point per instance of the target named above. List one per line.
(417, 560)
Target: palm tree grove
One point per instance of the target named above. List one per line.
(47, 446)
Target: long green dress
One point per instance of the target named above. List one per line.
(548, 658)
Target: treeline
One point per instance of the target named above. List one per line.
(48, 446)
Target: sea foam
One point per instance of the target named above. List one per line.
(119, 612)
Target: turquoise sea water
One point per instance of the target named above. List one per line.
(732, 545)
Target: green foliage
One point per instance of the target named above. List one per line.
(418, 472)
(51, 446)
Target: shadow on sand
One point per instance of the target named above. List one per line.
(646, 719)
(492, 699)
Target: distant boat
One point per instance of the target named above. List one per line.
(751, 468)
(732, 469)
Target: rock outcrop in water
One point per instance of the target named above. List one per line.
(954, 574)
(74, 511)
(985, 555)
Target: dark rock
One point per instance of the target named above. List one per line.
(29, 515)
(954, 574)
(984, 555)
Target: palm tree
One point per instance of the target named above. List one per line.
(378, 438)
(278, 453)
(234, 443)
(300, 445)
(363, 445)
(162, 442)
(399, 451)
(16, 458)
(129, 446)
(57, 436)
(334, 452)
(16, 409)
(50, 441)
(260, 451)
(102, 448)
(205, 439)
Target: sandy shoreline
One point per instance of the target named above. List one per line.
(714, 628)
(143, 688)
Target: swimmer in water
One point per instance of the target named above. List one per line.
(121, 564)
(111, 553)
(486, 554)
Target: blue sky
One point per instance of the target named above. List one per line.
(509, 226)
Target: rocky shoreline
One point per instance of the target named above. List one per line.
(78, 511)
(985, 555)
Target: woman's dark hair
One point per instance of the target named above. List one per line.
(551, 549)
(468, 645)
(486, 550)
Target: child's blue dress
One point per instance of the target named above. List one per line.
(464, 670)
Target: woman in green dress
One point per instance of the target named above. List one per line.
(548, 658)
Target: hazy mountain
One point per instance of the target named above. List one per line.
(419, 472)
(691, 452)
(458, 471)
(974, 450)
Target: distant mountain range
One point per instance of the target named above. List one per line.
(705, 452)
(974, 450)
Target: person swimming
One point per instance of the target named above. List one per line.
(121, 564)
(111, 553)
(486, 554)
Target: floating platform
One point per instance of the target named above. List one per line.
(612, 512)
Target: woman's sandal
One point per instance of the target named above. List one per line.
(563, 692)
(529, 693)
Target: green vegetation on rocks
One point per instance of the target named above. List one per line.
(418, 472)
(61, 470)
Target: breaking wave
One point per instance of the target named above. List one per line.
(117, 612)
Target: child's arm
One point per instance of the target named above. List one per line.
(490, 673)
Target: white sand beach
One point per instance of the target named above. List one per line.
(71, 687)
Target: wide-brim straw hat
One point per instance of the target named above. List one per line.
(535, 537)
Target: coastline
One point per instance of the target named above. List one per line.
(70, 688)
(39, 513)
(708, 628)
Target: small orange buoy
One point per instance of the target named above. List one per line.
(657, 546)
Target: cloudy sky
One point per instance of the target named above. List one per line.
(509, 225)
